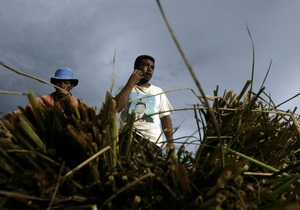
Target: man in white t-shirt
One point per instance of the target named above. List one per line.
(139, 93)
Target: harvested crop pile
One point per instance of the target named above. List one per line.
(248, 158)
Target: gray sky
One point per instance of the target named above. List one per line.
(40, 36)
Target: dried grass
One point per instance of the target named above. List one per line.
(76, 160)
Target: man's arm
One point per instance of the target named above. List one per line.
(122, 98)
(167, 127)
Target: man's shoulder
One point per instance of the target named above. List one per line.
(154, 87)
(50, 95)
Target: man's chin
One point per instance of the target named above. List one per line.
(61, 94)
(144, 80)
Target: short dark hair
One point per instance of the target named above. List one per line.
(140, 58)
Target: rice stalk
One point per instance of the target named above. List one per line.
(11, 92)
(286, 185)
(263, 165)
(31, 77)
(35, 107)
(27, 129)
(191, 71)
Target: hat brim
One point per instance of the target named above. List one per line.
(53, 80)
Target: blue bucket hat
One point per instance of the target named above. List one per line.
(64, 74)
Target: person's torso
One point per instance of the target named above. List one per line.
(147, 123)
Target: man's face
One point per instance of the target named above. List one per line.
(64, 84)
(140, 109)
(147, 67)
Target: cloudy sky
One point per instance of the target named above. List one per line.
(40, 36)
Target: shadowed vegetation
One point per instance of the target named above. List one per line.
(52, 159)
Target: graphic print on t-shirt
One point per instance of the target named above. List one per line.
(143, 105)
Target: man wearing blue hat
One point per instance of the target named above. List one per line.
(64, 79)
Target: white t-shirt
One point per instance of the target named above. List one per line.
(149, 104)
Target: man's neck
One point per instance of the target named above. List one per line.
(144, 84)
(59, 95)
